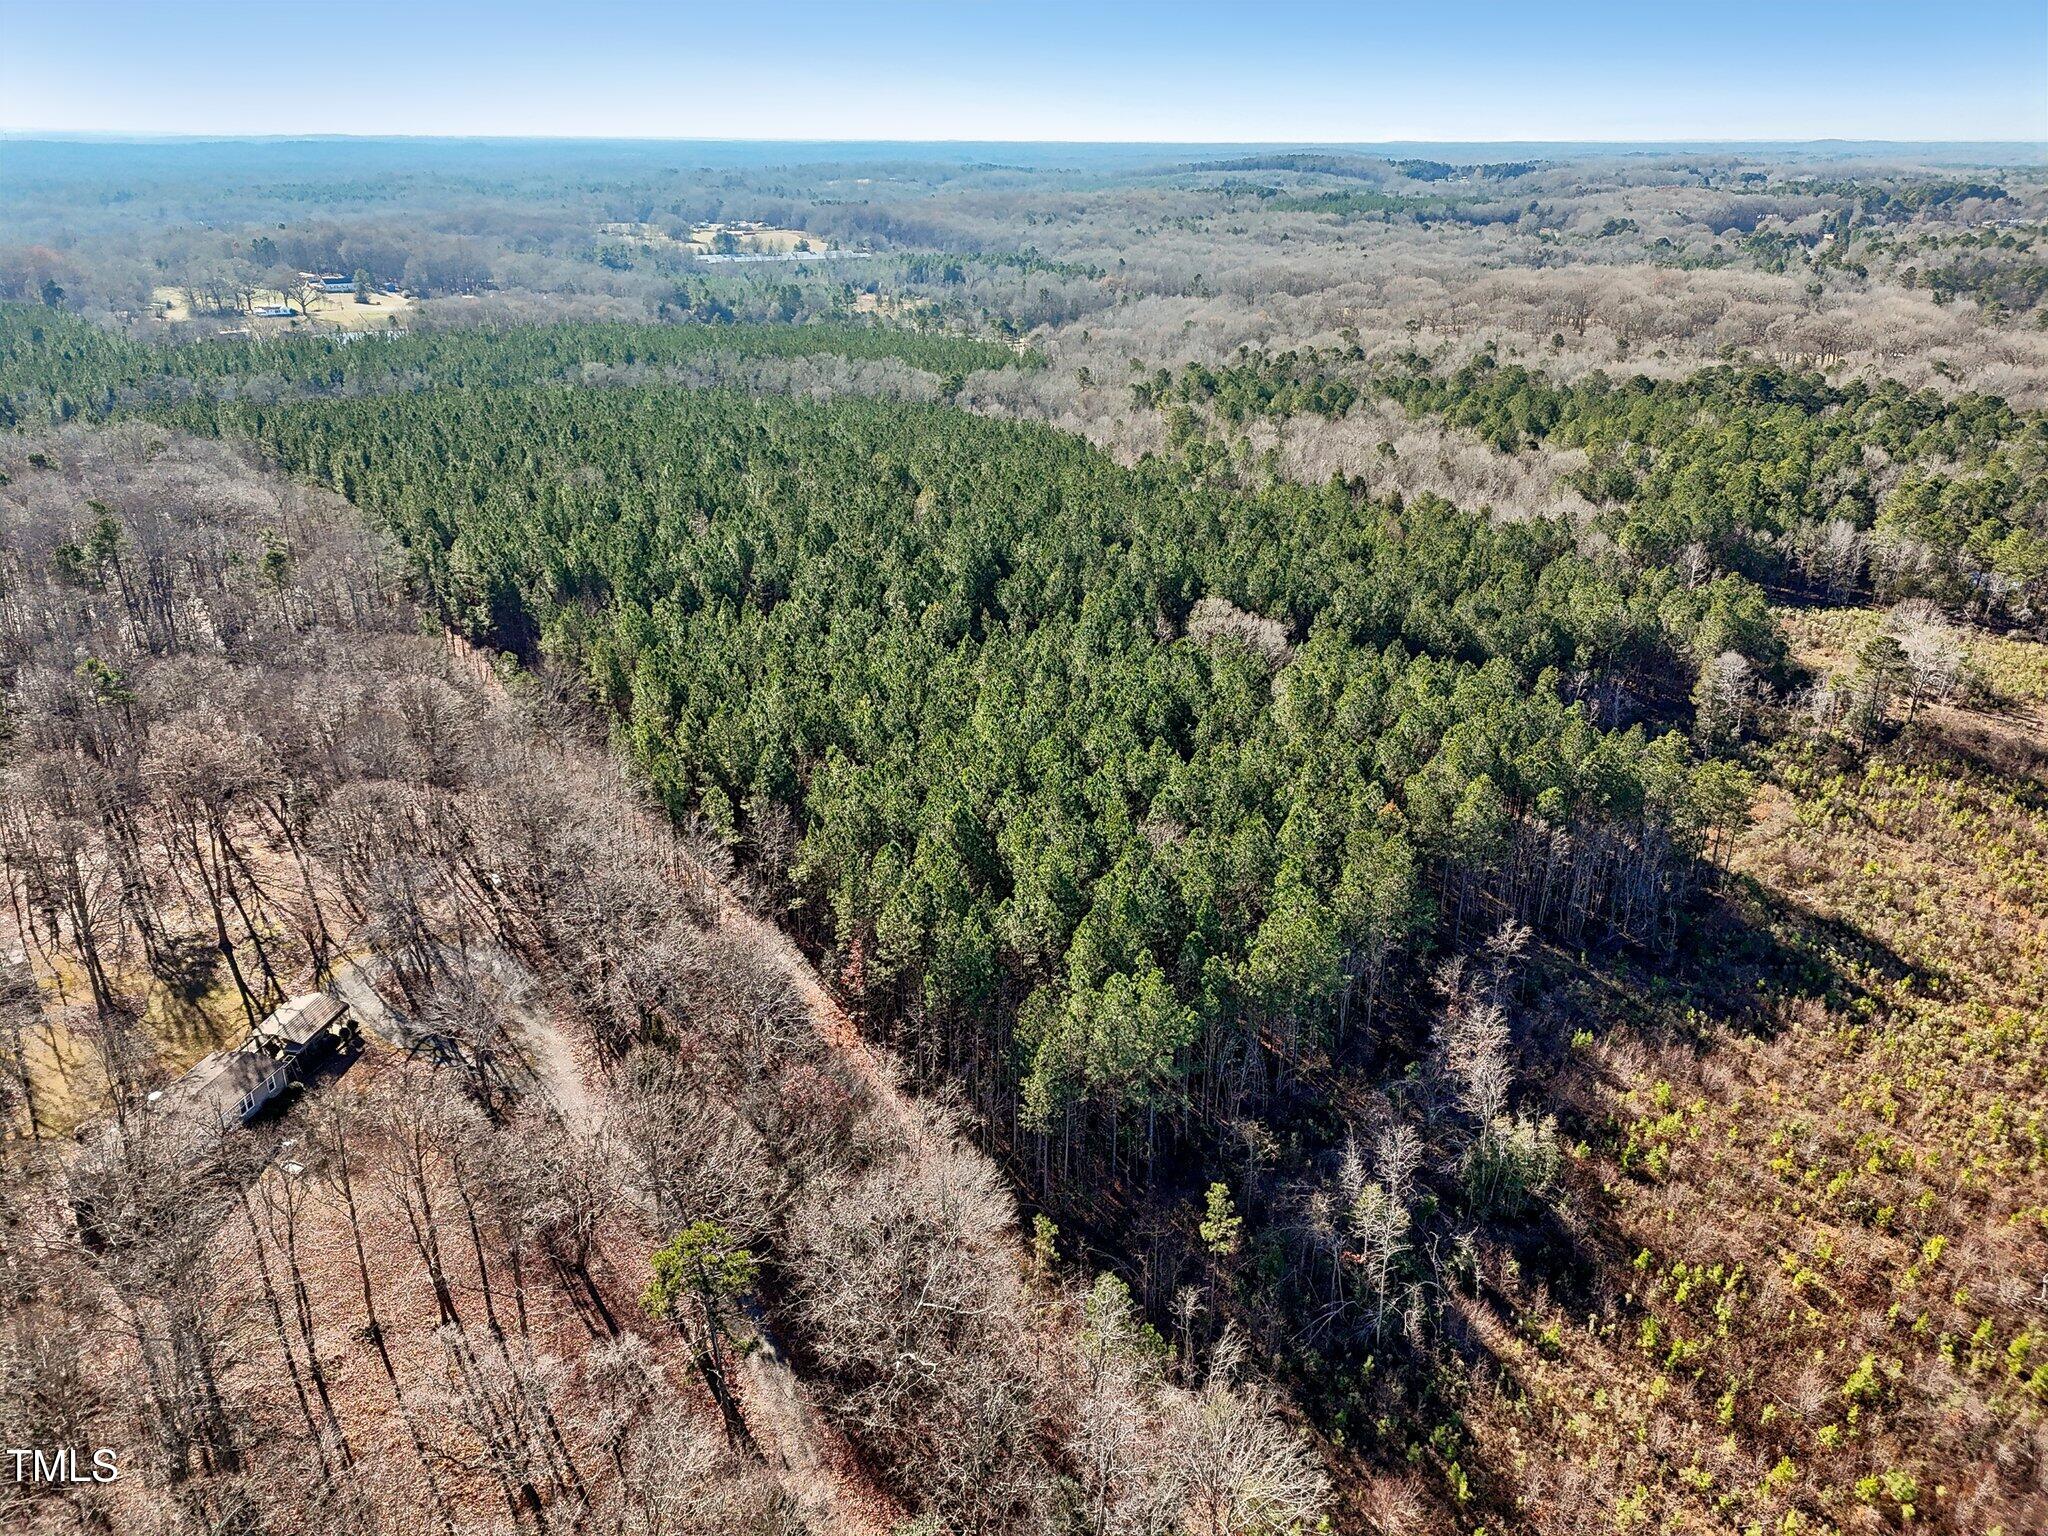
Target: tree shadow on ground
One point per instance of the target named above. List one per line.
(1999, 745)
(187, 965)
(1744, 953)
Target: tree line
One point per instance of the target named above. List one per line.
(56, 367)
(1786, 475)
(1773, 473)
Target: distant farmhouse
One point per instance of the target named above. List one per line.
(329, 282)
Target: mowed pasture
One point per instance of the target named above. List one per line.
(747, 238)
(173, 303)
(763, 240)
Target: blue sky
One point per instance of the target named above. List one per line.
(1187, 70)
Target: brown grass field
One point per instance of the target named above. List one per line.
(338, 310)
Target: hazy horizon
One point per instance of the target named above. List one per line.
(1295, 72)
(32, 133)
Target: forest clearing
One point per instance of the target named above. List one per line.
(174, 305)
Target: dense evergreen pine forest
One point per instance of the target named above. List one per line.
(57, 368)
